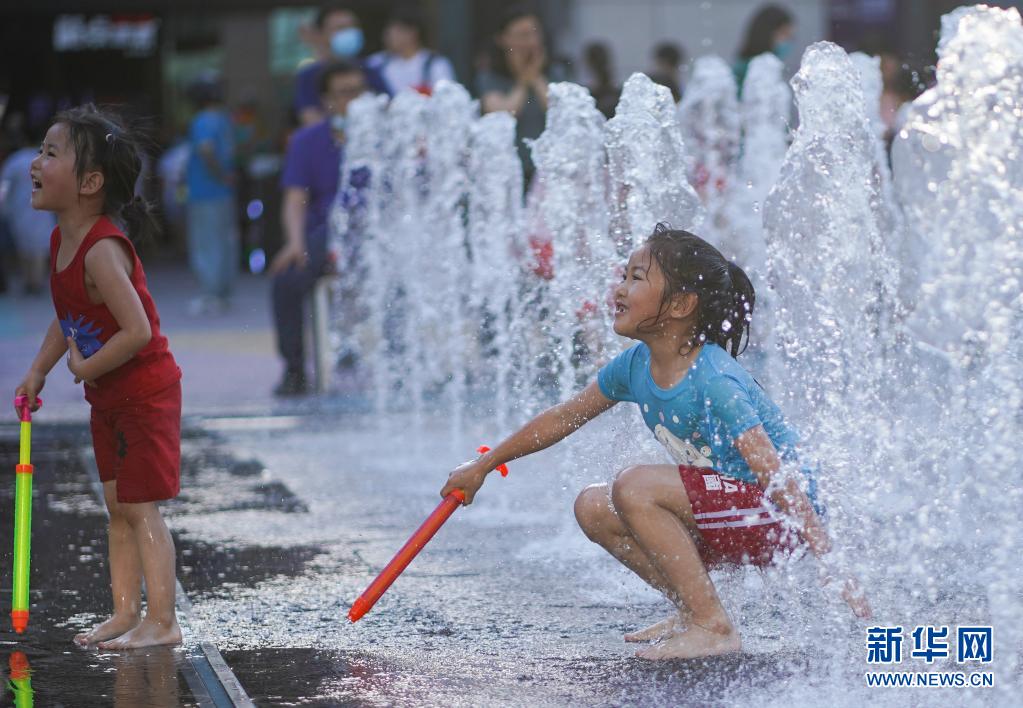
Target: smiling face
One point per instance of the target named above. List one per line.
(54, 182)
(638, 297)
(640, 310)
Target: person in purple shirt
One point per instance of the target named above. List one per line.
(312, 168)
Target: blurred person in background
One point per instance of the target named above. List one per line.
(518, 79)
(212, 217)
(668, 59)
(770, 30)
(28, 229)
(171, 171)
(312, 170)
(335, 34)
(602, 85)
(900, 86)
(406, 63)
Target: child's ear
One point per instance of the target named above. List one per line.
(91, 183)
(683, 305)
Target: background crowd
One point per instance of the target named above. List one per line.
(237, 195)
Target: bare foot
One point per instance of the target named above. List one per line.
(694, 642)
(662, 629)
(113, 627)
(147, 634)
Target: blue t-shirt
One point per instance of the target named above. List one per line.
(313, 163)
(699, 418)
(209, 127)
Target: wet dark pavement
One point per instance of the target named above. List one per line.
(283, 521)
(70, 591)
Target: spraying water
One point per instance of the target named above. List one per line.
(646, 158)
(913, 417)
(572, 172)
(709, 115)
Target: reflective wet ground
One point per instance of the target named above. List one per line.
(283, 522)
(70, 591)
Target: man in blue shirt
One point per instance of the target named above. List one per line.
(212, 219)
(312, 170)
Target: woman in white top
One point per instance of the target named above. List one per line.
(405, 63)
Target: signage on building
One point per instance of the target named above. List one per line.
(134, 35)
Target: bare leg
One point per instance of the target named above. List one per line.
(653, 505)
(156, 550)
(125, 575)
(600, 523)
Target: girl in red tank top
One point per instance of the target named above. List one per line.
(107, 325)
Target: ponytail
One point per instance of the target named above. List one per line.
(725, 295)
(102, 142)
(140, 223)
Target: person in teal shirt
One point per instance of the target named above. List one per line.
(735, 494)
(770, 30)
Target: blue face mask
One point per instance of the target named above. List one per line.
(346, 43)
(338, 123)
(782, 49)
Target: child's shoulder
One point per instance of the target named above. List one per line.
(716, 362)
(105, 240)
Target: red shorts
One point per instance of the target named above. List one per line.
(139, 445)
(737, 524)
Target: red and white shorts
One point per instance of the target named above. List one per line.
(736, 522)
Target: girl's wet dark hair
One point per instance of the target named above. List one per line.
(103, 144)
(725, 295)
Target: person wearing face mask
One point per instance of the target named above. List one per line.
(405, 62)
(771, 30)
(336, 34)
(312, 168)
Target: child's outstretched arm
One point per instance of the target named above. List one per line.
(760, 454)
(551, 426)
(108, 266)
(50, 352)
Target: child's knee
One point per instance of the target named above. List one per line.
(133, 514)
(627, 489)
(591, 507)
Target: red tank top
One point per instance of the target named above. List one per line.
(152, 368)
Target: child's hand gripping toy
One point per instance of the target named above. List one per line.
(411, 548)
(22, 516)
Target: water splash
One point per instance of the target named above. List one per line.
(442, 309)
(572, 176)
(958, 174)
(495, 227)
(709, 116)
(765, 114)
(826, 255)
(646, 158)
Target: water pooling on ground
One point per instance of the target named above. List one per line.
(509, 604)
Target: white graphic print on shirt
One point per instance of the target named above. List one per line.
(683, 451)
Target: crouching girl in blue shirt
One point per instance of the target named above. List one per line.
(736, 494)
